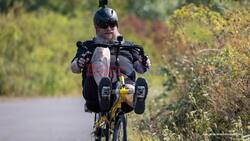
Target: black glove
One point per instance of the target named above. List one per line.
(84, 59)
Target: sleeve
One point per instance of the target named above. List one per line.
(137, 64)
(139, 67)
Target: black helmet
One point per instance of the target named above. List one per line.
(105, 15)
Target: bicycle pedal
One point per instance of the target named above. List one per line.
(105, 92)
(140, 92)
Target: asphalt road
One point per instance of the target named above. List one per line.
(45, 119)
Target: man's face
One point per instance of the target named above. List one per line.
(108, 31)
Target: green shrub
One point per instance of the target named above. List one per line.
(36, 49)
(211, 68)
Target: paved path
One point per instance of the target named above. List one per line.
(45, 119)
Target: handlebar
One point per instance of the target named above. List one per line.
(118, 45)
(137, 47)
(115, 45)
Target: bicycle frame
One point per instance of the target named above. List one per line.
(123, 92)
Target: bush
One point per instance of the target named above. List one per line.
(36, 49)
(208, 54)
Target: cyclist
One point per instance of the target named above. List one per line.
(97, 66)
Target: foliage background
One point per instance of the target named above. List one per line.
(38, 42)
(204, 45)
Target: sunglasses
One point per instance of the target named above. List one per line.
(106, 25)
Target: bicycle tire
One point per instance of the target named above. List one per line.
(120, 128)
(98, 136)
(107, 132)
(102, 133)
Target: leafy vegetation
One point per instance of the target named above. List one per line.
(35, 55)
(208, 59)
(37, 46)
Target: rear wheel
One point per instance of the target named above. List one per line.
(120, 128)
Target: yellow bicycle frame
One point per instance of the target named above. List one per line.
(123, 92)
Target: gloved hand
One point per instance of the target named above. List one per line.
(84, 59)
(146, 61)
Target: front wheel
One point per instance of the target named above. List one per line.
(120, 128)
(101, 133)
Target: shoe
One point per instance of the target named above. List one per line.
(141, 91)
(104, 94)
